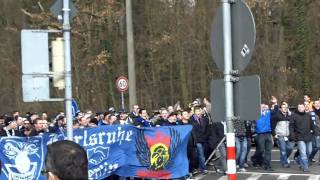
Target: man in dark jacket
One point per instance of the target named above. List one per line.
(315, 114)
(200, 130)
(171, 121)
(301, 127)
(191, 150)
(163, 120)
(38, 127)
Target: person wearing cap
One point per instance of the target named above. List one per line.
(123, 118)
(10, 128)
(58, 125)
(111, 110)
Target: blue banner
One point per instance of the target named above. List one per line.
(23, 158)
(127, 151)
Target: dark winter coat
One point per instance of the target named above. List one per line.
(316, 123)
(301, 127)
(4, 133)
(216, 134)
(317, 111)
(200, 129)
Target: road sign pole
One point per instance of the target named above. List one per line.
(227, 46)
(122, 100)
(68, 73)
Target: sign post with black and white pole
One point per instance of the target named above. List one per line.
(122, 84)
(231, 152)
(232, 43)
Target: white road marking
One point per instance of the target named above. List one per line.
(254, 176)
(257, 175)
(274, 173)
(223, 178)
(314, 177)
(200, 176)
(283, 177)
(273, 150)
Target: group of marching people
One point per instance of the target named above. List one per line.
(278, 125)
(299, 127)
(284, 127)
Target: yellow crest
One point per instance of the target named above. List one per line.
(159, 156)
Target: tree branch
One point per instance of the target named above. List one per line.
(27, 13)
(40, 6)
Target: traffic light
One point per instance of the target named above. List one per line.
(58, 63)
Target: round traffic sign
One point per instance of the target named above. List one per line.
(122, 84)
(243, 32)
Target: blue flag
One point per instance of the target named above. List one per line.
(74, 108)
(126, 150)
(23, 158)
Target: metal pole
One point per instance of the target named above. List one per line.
(122, 100)
(227, 46)
(131, 60)
(67, 63)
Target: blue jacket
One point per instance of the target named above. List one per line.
(263, 124)
(139, 121)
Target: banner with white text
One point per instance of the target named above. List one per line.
(124, 150)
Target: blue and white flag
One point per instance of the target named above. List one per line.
(23, 158)
(124, 150)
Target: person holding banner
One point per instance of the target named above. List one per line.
(200, 129)
(143, 119)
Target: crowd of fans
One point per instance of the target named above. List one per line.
(278, 126)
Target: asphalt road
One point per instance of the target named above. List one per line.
(279, 173)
